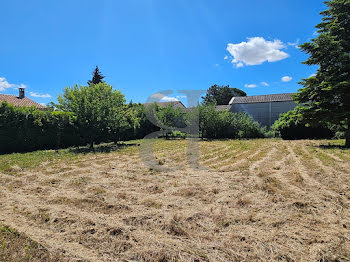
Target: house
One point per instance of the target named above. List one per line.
(173, 104)
(20, 100)
(264, 109)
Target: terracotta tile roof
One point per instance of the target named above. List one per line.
(175, 104)
(262, 98)
(16, 101)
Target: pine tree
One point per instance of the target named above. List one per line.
(96, 77)
(326, 96)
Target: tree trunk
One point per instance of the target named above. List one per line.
(347, 134)
(91, 144)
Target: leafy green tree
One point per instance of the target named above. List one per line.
(294, 125)
(100, 111)
(221, 94)
(144, 126)
(326, 96)
(96, 77)
(171, 118)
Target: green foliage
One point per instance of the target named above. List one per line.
(27, 129)
(294, 125)
(95, 114)
(101, 112)
(221, 94)
(142, 125)
(171, 117)
(326, 96)
(96, 77)
(224, 124)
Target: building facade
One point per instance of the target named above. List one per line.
(264, 109)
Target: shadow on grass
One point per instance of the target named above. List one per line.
(103, 148)
(329, 146)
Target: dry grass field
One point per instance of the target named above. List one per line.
(257, 200)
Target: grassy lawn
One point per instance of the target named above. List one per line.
(250, 200)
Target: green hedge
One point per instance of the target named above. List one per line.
(225, 124)
(293, 125)
(28, 129)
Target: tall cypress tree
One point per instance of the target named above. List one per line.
(326, 96)
(96, 77)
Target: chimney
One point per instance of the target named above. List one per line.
(21, 92)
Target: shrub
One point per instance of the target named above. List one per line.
(28, 129)
(224, 124)
(293, 125)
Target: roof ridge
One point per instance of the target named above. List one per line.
(282, 97)
(17, 101)
(268, 95)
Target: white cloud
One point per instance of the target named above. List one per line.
(168, 99)
(256, 51)
(4, 84)
(295, 44)
(287, 78)
(226, 57)
(264, 84)
(34, 94)
(162, 98)
(250, 85)
(312, 75)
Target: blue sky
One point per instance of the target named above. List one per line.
(145, 46)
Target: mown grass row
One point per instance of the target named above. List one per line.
(17, 247)
(219, 150)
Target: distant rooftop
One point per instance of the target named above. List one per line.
(17, 101)
(262, 98)
(222, 107)
(174, 104)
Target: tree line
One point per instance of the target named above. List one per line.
(96, 113)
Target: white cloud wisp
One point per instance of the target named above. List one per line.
(34, 94)
(4, 84)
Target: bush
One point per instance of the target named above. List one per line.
(292, 125)
(224, 124)
(28, 129)
(142, 127)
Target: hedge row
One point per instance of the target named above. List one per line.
(293, 125)
(27, 129)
